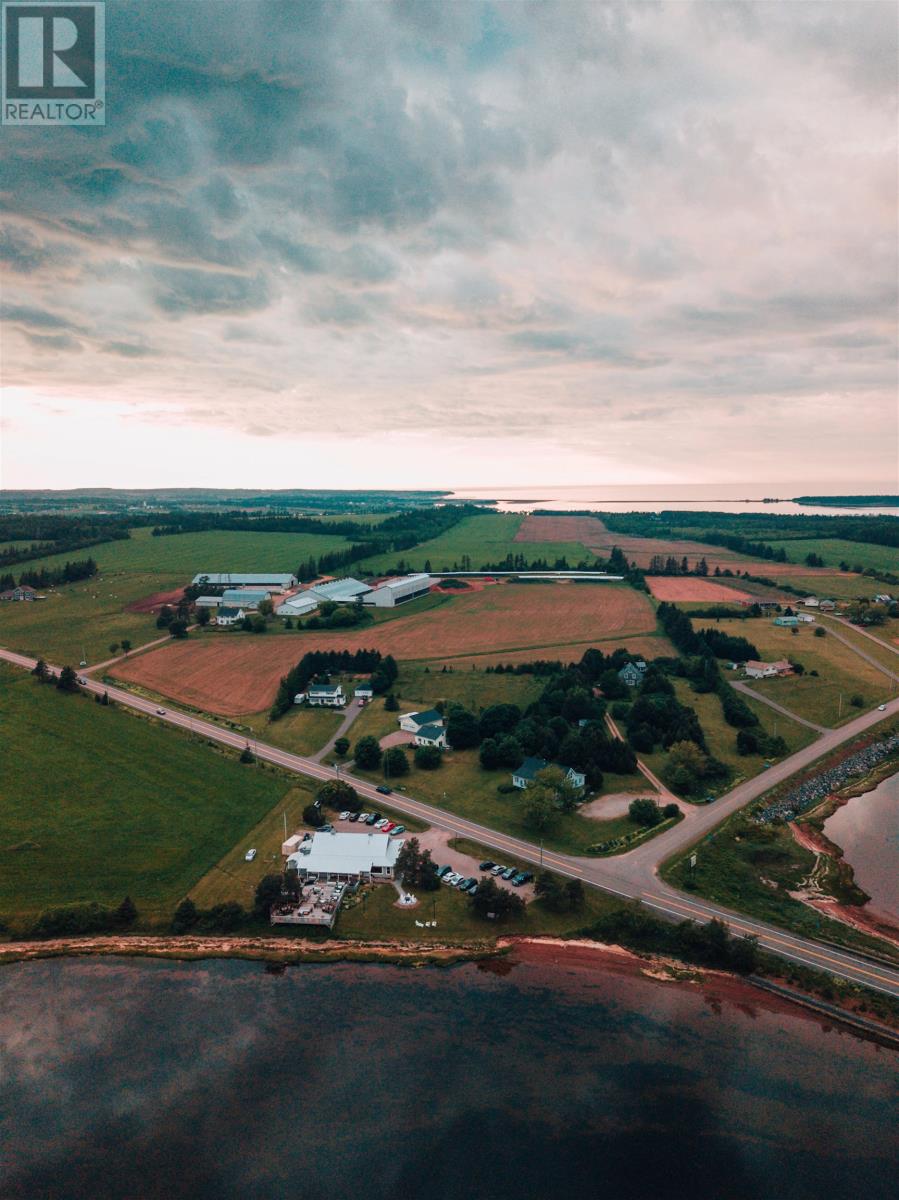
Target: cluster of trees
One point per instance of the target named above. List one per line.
(661, 565)
(492, 902)
(78, 919)
(368, 755)
(338, 616)
(707, 642)
(550, 796)
(176, 620)
(221, 918)
(559, 895)
(417, 868)
(862, 612)
(54, 534)
(71, 572)
(645, 811)
(66, 680)
(709, 945)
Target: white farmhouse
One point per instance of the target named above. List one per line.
(319, 695)
(432, 735)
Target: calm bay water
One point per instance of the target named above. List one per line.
(719, 497)
(145, 1079)
(867, 831)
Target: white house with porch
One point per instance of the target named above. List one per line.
(322, 695)
(432, 735)
(524, 776)
(412, 722)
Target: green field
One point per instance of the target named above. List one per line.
(835, 587)
(301, 730)
(488, 537)
(817, 698)
(837, 550)
(96, 803)
(89, 616)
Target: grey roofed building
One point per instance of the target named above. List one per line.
(431, 735)
(235, 579)
(341, 591)
(412, 722)
(348, 856)
(246, 597)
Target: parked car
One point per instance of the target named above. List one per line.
(472, 886)
(441, 871)
(452, 879)
(508, 873)
(387, 826)
(250, 855)
(326, 828)
(82, 679)
(354, 816)
(364, 817)
(397, 830)
(487, 866)
(462, 885)
(372, 819)
(527, 876)
(519, 879)
(385, 791)
(381, 823)
(344, 816)
(497, 870)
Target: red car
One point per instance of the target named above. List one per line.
(387, 828)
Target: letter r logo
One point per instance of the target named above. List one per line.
(50, 51)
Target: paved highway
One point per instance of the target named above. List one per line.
(633, 875)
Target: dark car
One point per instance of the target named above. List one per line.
(526, 876)
(374, 817)
(354, 816)
(519, 879)
(487, 865)
(385, 791)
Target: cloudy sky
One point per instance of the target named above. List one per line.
(423, 243)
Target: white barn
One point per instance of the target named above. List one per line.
(229, 579)
(341, 591)
(397, 591)
(297, 606)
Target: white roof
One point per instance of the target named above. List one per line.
(301, 603)
(347, 853)
(402, 580)
(340, 589)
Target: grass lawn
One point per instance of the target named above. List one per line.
(837, 550)
(379, 917)
(96, 803)
(753, 869)
(462, 786)
(840, 671)
(487, 537)
(301, 730)
(887, 633)
(837, 587)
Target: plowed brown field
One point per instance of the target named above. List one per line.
(593, 534)
(672, 587)
(232, 673)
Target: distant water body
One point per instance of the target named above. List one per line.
(729, 498)
(542, 1079)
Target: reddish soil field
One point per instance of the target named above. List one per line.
(474, 585)
(671, 587)
(646, 647)
(152, 603)
(593, 534)
(232, 673)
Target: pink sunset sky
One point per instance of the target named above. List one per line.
(423, 245)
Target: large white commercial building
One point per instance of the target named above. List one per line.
(396, 591)
(299, 605)
(351, 857)
(341, 591)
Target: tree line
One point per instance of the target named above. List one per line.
(71, 572)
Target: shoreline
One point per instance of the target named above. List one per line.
(500, 956)
(808, 832)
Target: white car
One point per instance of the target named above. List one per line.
(344, 816)
(363, 817)
(380, 824)
(250, 855)
(160, 712)
(453, 878)
(881, 708)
